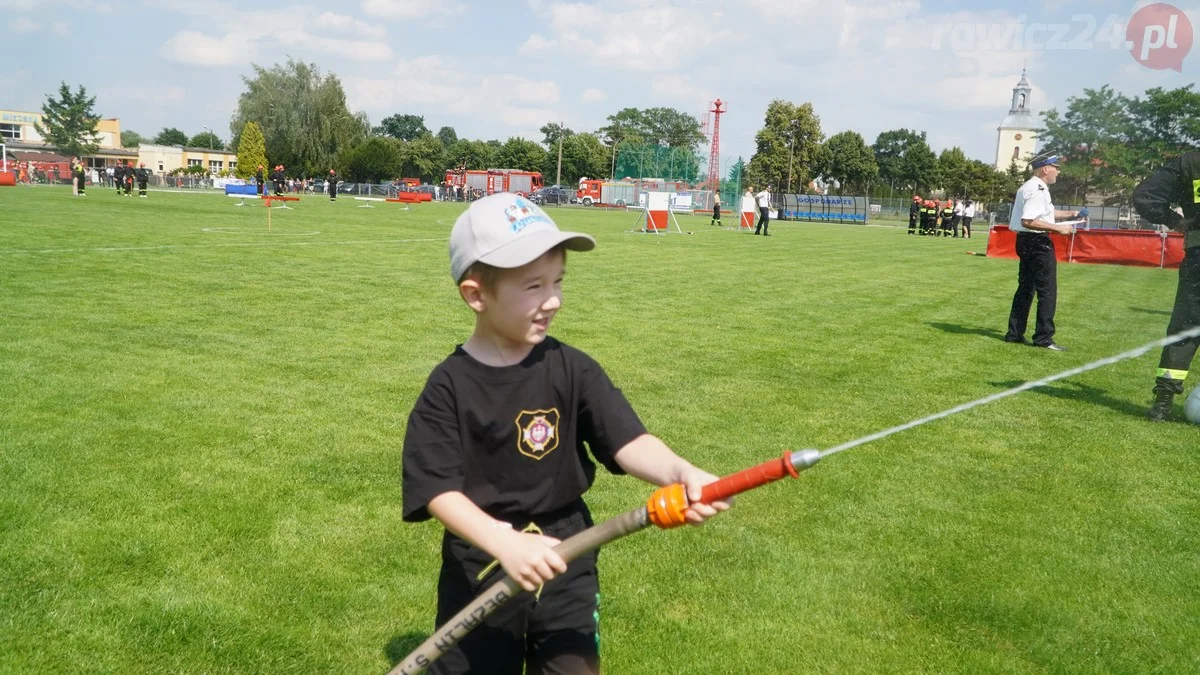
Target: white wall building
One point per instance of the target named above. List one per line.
(1016, 138)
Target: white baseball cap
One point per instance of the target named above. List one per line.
(506, 230)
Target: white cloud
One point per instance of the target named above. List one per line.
(411, 9)
(23, 24)
(592, 96)
(199, 49)
(430, 85)
(60, 28)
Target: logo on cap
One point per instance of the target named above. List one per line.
(522, 214)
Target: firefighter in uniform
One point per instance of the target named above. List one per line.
(1178, 184)
(947, 218)
(259, 179)
(332, 185)
(914, 214)
(129, 172)
(928, 218)
(142, 176)
(277, 178)
(80, 178)
(119, 176)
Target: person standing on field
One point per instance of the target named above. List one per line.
(764, 211)
(1177, 184)
(1033, 219)
(716, 217)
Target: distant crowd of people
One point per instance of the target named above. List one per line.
(941, 218)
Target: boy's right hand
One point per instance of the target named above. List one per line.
(530, 558)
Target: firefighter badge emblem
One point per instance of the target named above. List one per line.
(537, 432)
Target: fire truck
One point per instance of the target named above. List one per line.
(606, 193)
(491, 181)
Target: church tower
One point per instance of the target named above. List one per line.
(1017, 138)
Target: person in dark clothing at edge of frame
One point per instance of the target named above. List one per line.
(143, 177)
(1176, 184)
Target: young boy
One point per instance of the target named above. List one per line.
(495, 449)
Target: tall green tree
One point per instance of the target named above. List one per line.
(171, 136)
(665, 127)
(583, 156)
(376, 159)
(551, 132)
(404, 127)
(447, 136)
(252, 151)
(786, 147)
(424, 158)
(303, 116)
(130, 139)
(475, 155)
(953, 171)
(905, 160)
(68, 123)
(206, 139)
(850, 162)
(521, 153)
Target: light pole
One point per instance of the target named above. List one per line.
(791, 146)
(561, 133)
(210, 136)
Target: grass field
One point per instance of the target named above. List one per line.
(201, 425)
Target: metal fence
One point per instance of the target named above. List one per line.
(1099, 217)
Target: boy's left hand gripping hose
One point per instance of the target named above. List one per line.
(665, 508)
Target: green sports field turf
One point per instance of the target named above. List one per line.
(201, 423)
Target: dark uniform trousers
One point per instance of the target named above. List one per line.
(764, 219)
(1177, 358)
(553, 631)
(1037, 273)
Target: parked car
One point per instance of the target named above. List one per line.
(554, 194)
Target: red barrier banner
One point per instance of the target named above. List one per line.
(1142, 248)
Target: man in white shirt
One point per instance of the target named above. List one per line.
(1033, 219)
(958, 215)
(968, 216)
(764, 211)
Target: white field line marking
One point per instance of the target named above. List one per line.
(105, 249)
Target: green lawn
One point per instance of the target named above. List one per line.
(201, 423)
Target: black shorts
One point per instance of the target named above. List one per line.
(555, 632)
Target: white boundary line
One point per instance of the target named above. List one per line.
(106, 249)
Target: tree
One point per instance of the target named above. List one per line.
(521, 153)
(206, 139)
(786, 147)
(423, 157)
(850, 162)
(447, 136)
(404, 127)
(905, 159)
(171, 136)
(666, 127)
(583, 155)
(130, 139)
(473, 155)
(551, 133)
(953, 171)
(302, 114)
(68, 124)
(252, 150)
(374, 160)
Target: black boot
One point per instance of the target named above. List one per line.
(1164, 399)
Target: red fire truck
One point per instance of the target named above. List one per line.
(491, 181)
(606, 192)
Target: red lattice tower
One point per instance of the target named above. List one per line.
(714, 152)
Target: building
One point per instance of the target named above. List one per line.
(1016, 138)
(24, 143)
(162, 159)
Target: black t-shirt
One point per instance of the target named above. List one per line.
(512, 439)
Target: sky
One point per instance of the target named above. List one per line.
(504, 68)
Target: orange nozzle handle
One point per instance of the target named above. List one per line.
(666, 506)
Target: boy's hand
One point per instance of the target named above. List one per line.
(694, 480)
(530, 558)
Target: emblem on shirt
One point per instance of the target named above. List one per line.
(537, 432)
